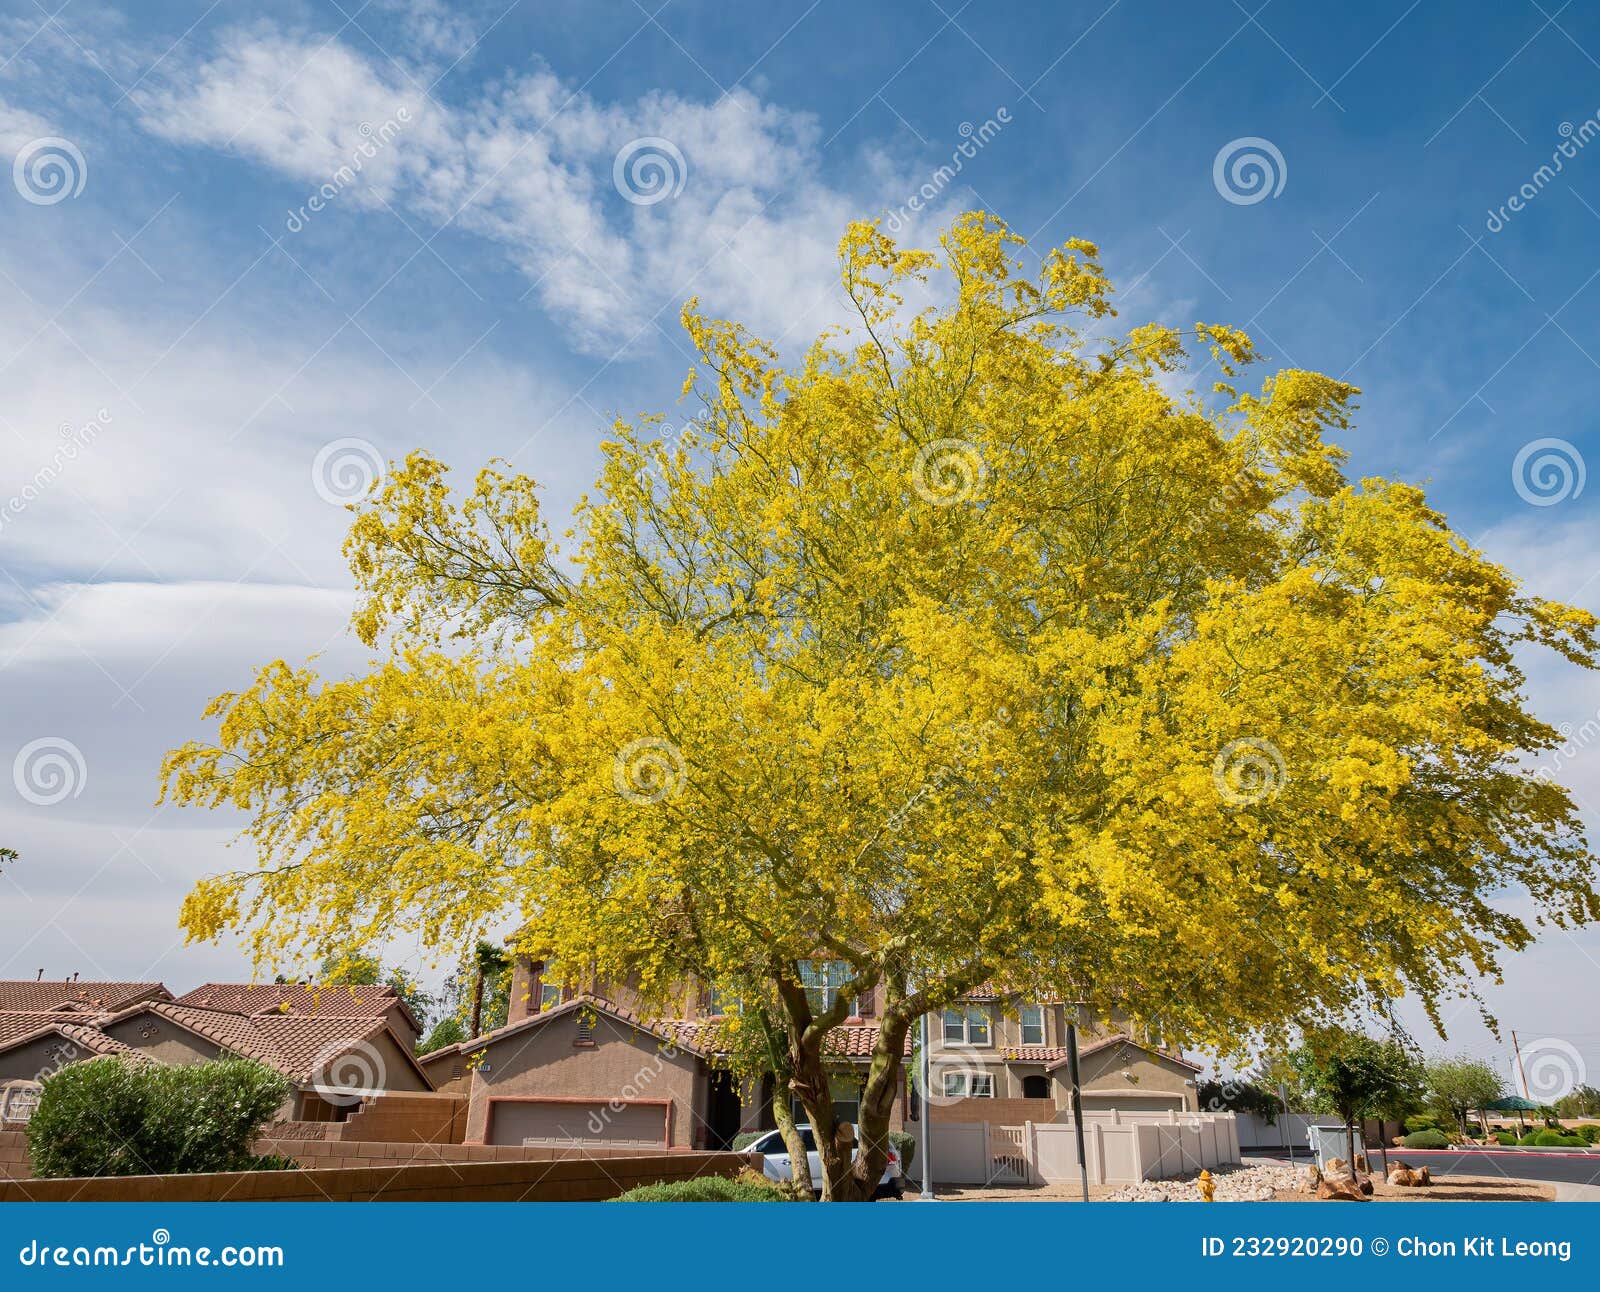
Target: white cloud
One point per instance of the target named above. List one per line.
(19, 127)
(530, 166)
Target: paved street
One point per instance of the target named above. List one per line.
(1567, 1168)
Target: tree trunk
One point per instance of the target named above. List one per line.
(477, 1005)
(1350, 1140)
(783, 1115)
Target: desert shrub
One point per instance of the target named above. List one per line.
(1589, 1132)
(1427, 1122)
(747, 1186)
(1428, 1138)
(115, 1116)
(1506, 1138)
(745, 1139)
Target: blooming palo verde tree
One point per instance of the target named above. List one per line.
(962, 650)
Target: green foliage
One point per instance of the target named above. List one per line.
(1505, 1138)
(271, 1162)
(1426, 1139)
(745, 1139)
(906, 1146)
(746, 1187)
(113, 1116)
(1426, 1121)
(1553, 1139)
(1589, 1132)
(1581, 1102)
(449, 1030)
(1240, 1096)
(1356, 1075)
(1461, 1085)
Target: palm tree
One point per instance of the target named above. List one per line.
(489, 961)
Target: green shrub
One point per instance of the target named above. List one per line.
(1426, 1122)
(1547, 1139)
(1589, 1132)
(747, 1186)
(906, 1146)
(1506, 1138)
(745, 1139)
(115, 1116)
(1426, 1139)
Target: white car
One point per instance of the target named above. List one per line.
(776, 1164)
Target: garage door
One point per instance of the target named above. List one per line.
(1093, 1103)
(515, 1121)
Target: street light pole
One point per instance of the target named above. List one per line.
(923, 1108)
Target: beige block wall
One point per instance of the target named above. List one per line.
(623, 1063)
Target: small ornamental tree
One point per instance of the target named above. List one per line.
(1463, 1086)
(962, 649)
(1356, 1076)
(120, 1116)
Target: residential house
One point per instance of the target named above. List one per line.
(595, 1068)
(333, 1059)
(998, 1046)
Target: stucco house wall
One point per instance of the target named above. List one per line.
(551, 1060)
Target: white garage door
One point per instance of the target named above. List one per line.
(558, 1121)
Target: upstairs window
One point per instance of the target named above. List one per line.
(967, 1025)
(1032, 1024)
(823, 981)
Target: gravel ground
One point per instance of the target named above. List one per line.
(1263, 1184)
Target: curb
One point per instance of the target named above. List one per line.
(1488, 1152)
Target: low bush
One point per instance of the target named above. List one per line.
(117, 1116)
(906, 1146)
(1426, 1139)
(1589, 1132)
(745, 1139)
(1426, 1122)
(1505, 1138)
(747, 1186)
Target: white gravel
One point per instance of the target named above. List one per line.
(1243, 1184)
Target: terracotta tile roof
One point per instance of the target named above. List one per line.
(300, 1048)
(19, 1028)
(698, 1036)
(86, 997)
(1032, 1053)
(326, 1000)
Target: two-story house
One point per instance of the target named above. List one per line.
(999, 1046)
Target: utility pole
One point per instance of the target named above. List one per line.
(924, 1108)
(1077, 1104)
(1522, 1071)
(1288, 1130)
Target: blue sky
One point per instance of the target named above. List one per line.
(197, 361)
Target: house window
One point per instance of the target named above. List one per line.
(1033, 1025)
(968, 1025)
(823, 980)
(720, 1003)
(549, 995)
(968, 1085)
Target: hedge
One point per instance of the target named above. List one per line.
(118, 1116)
(1426, 1139)
(746, 1187)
